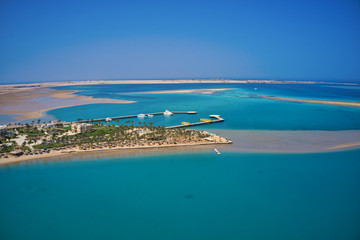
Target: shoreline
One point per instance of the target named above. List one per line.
(5, 161)
(243, 141)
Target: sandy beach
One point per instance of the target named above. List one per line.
(76, 151)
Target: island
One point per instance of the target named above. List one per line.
(39, 140)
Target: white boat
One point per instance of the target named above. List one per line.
(108, 119)
(217, 151)
(255, 89)
(168, 113)
(141, 115)
(150, 115)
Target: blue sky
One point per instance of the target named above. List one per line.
(81, 40)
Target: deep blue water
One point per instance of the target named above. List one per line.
(191, 196)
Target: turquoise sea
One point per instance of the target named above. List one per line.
(241, 107)
(195, 195)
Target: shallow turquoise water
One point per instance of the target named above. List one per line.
(199, 195)
(193, 196)
(240, 107)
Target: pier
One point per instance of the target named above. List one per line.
(217, 119)
(133, 116)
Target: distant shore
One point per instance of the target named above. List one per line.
(22, 86)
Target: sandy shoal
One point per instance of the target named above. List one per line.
(245, 141)
(327, 102)
(32, 103)
(187, 91)
(271, 141)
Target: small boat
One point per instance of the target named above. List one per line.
(185, 123)
(255, 89)
(150, 115)
(141, 115)
(205, 120)
(217, 151)
(108, 119)
(168, 113)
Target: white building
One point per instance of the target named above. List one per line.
(3, 130)
(81, 127)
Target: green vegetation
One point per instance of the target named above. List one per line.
(123, 135)
(101, 135)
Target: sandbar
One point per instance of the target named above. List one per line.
(327, 102)
(32, 103)
(186, 91)
(275, 141)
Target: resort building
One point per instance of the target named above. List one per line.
(143, 132)
(81, 127)
(3, 130)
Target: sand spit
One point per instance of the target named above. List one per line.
(342, 146)
(276, 141)
(32, 103)
(186, 91)
(327, 102)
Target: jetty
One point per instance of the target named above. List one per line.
(217, 119)
(134, 116)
